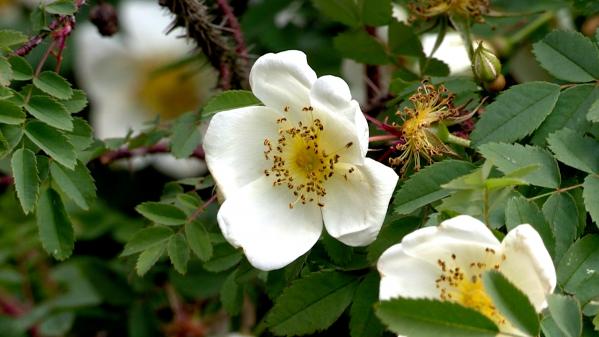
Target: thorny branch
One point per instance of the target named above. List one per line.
(202, 27)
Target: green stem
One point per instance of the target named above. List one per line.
(457, 140)
(559, 190)
(529, 29)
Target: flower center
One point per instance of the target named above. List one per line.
(464, 285)
(300, 159)
(168, 93)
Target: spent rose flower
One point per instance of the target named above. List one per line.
(447, 263)
(297, 162)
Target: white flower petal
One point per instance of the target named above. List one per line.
(102, 63)
(528, 264)
(406, 275)
(283, 80)
(179, 168)
(116, 115)
(355, 208)
(331, 94)
(258, 219)
(234, 146)
(459, 231)
(452, 51)
(145, 25)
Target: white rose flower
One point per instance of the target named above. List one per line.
(447, 262)
(300, 160)
(122, 77)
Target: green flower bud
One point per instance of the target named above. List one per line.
(485, 64)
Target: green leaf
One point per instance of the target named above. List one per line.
(516, 113)
(434, 67)
(12, 133)
(363, 322)
(512, 303)
(575, 150)
(9, 38)
(570, 112)
(591, 196)
(4, 146)
(82, 135)
(199, 240)
(178, 252)
(224, 257)
(391, 233)
(312, 303)
(50, 111)
(231, 295)
(593, 114)
(54, 143)
(403, 40)
(511, 157)
(147, 238)
(186, 135)
(227, 100)
(424, 187)
(582, 256)
(76, 103)
(569, 56)
(339, 253)
(375, 12)
(77, 185)
(55, 228)
(57, 324)
(61, 7)
(550, 329)
(344, 11)
(426, 318)
(521, 211)
(22, 70)
(162, 213)
(53, 84)
(562, 215)
(148, 258)
(565, 311)
(5, 72)
(360, 46)
(27, 182)
(10, 113)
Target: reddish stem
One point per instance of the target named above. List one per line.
(235, 29)
(381, 138)
(122, 153)
(6, 181)
(390, 129)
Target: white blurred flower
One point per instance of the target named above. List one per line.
(447, 262)
(287, 167)
(452, 51)
(127, 82)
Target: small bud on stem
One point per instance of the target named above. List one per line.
(485, 64)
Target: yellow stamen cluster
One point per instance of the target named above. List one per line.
(461, 282)
(430, 8)
(299, 160)
(168, 93)
(430, 106)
